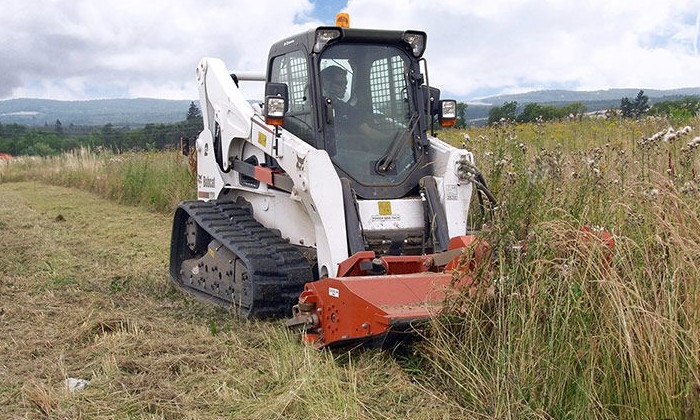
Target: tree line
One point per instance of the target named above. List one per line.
(638, 107)
(17, 139)
(533, 112)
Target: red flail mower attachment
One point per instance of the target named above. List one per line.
(376, 301)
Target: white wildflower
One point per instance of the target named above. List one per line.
(670, 135)
(694, 143)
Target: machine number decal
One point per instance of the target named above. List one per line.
(333, 292)
(262, 139)
(206, 181)
(451, 192)
(384, 208)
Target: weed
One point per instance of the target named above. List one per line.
(568, 332)
(119, 284)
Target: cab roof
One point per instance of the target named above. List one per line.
(306, 40)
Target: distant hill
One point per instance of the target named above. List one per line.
(478, 109)
(120, 112)
(138, 112)
(568, 96)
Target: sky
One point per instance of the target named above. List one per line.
(94, 49)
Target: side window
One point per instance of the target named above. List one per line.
(292, 69)
(388, 89)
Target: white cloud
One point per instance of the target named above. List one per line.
(83, 49)
(134, 45)
(503, 45)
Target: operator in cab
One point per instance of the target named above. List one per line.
(346, 117)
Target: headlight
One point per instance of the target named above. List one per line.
(449, 109)
(417, 42)
(274, 110)
(448, 113)
(323, 36)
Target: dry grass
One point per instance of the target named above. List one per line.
(86, 295)
(153, 180)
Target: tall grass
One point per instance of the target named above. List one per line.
(557, 325)
(155, 180)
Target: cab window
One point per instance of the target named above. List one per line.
(292, 69)
(368, 88)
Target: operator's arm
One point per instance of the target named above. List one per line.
(372, 133)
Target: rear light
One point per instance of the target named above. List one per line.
(274, 110)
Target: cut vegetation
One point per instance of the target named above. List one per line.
(84, 293)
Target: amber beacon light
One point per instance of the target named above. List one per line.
(342, 20)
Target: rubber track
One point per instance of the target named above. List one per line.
(277, 270)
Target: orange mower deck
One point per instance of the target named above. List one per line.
(379, 301)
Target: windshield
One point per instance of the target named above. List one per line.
(372, 117)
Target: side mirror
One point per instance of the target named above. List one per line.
(276, 103)
(431, 96)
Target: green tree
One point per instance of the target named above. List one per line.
(503, 112)
(534, 111)
(461, 110)
(42, 149)
(59, 127)
(193, 125)
(636, 108)
(574, 110)
(683, 108)
(113, 137)
(193, 113)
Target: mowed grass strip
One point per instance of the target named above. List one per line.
(84, 293)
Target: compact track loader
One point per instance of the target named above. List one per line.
(330, 202)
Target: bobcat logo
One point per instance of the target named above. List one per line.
(300, 163)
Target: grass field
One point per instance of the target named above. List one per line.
(557, 326)
(84, 293)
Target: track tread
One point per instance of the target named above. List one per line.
(277, 270)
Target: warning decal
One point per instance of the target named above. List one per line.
(384, 208)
